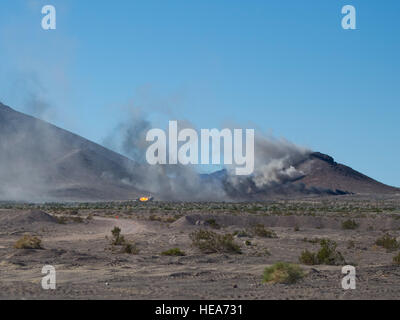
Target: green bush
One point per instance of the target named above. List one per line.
(211, 242)
(117, 238)
(308, 258)
(349, 225)
(283, 272)
(173, 252)
(388, 242)
(327, 254)
(28, 242)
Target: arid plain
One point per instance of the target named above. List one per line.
(155, 253)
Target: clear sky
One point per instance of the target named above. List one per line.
(284, 67)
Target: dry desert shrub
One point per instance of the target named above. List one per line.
(130, 248)
(260, 231)
(308, 258)
(119, 240)
(388, 242)
(28, 242)
(211, 242)
(349, 224)
(327, 254)
(283, 272)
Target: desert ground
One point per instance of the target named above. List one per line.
(76, 239)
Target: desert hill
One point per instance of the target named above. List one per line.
(41, 162)
(322, 171)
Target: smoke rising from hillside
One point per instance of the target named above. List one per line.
(40, 162)
(274, 165)
(170, 182)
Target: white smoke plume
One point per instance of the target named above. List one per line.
(275, 161)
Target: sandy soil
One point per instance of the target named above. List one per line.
(88, 267)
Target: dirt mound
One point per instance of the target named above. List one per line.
(246, 221)
(188, 221)
(25, 219)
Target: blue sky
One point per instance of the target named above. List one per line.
(284, 67)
